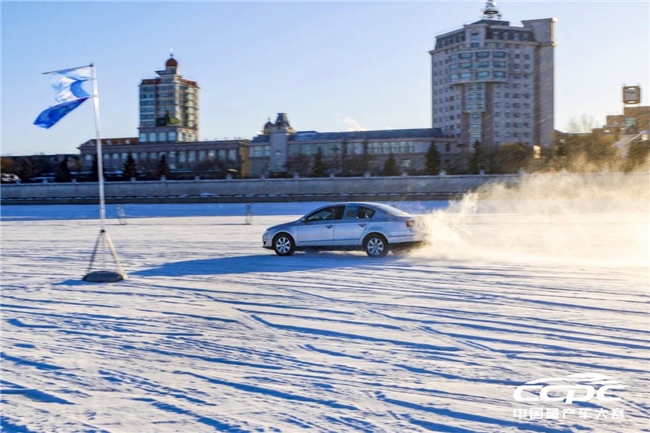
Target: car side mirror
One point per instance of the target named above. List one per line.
(303, 220)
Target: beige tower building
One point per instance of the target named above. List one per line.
(169, 107)
(493, 82)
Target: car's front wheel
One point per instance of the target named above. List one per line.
(283, 245)
(376, 246)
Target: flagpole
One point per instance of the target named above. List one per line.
(100, 159)
(102, 276)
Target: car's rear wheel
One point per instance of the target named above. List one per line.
(283, 245)
(376, 245)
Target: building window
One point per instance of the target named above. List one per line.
(152, 136)
(191, 156)
(172, 136)
(143, 137)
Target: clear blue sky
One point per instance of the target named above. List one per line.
(328, 65)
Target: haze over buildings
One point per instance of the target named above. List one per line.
(329, 66)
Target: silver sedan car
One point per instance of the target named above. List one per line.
(371, 227)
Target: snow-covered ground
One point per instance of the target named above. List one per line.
(213, 333)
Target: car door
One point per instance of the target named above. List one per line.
(317, 228)
(350, 230)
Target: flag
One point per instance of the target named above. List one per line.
(68, 93)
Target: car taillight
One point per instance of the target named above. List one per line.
(411, 223)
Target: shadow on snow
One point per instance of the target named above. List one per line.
(260, 263)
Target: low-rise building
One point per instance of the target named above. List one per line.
(207, 159)
(280, 150)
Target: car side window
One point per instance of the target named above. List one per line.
(366, 213)
(338, 212)
(351, 212)
(329, 213)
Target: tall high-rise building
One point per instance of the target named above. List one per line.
(169, 107)
(493, 82)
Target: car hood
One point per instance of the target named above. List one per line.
(283, 225)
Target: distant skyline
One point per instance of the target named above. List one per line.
(330, 66)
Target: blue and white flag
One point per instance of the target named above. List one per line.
(69, 94)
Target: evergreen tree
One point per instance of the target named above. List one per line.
(390, 166)
(601, 152)
(299, 164)
(510, 157)
(163, 168)
(560, 155)
(94, 176)
(478, 160)
(63, 171)
(638, 155)
(319, 168)
(432, 165)
(129, 169)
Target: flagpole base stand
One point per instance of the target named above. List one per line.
(104, 277)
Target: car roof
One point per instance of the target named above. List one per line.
(360, 203)
(381, 206)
